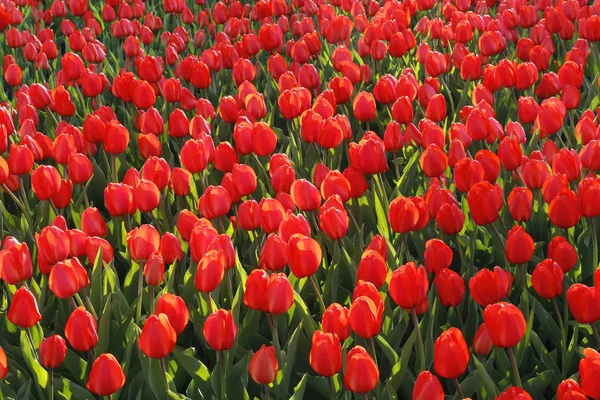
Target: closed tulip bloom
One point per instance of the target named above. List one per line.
(223, 243)
(304, 255)
(263, 365)
(118, 198)
(484, 203)
(563, 252)
(143, 242)
(450, 219)
(467, 172)
(305, 195)
(271, 214)
(325, 355)
(589, 369)
(371, 155)
(362, 374)
(333, 221)
(248, 215)
(15, 263)
(279, 295)
(293, 224)
(175, 309)
(158, 337)
(23, 310)
(563, 209)
(514, 393)
(335, 320)
(336, 183)
(436, 109)
(117, 138)
(505, 323)
(450, 287)
(219, 330)
(81, 330)
(215, 202)
(80, 168)
(403, 215)
(372, 268)
(427, 387)
(408, 286)
(106, 376)
(201, 237)
(63, 281)
(433, 161)
(552, 185)
(519, 246)
(170, 248)
(488, 287)
(154, 270)
(510, 153)
(53, 244)
(584, 303)
(92, 247)
(274, 254)
(256, 290)
(53, 351)
(451, 354)
(547, 279)
(45, 182)
(92, 223)
(588, 190)
(569, 389)
(244, 179)
(520, 204)
(534, 173)
(438, 255)
(146, 195)
(482, 343)
(364, 106)
(366, 316)
(210, 271)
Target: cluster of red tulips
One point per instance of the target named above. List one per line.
(300, 199)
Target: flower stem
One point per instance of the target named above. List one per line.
(51, 385)
(595, 333)
(317, 293)
(594, 244)
(31, 343)
(420, 347)
(372, 349)
(559, 318)
(458, 389)
(221, 355)
(515, 368)
(275, 334)
(164, 372)
(331, 388)
(138, 314)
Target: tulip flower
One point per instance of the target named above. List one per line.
(158, 337)
(175, 309)
(325, 355)
(106, 376)
(81, 330)
(451, 354)
(263, 365)
(23, 310)
(427, 387)
(53, 351)
(362, 374)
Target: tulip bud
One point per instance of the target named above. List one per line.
(106, 376)
(158, 337)
(219, 330)
(53, 351)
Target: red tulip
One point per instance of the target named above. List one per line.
(450, 287)
(488, 287)
(263, 365)
(570, 390)
(325, 355)
(584, 303)
(23, 310)
(304, 255)
(362, 374)
(372, 268)
(484, 203)
(561, 251)
(335, 320)
(427, 387)
(53, 351)
(562, 210)
(482, 343)
(143, 242)
(408, 286)
(589, 368)
(15, 263)
(519, 246)
(210, 272)
(63, 280)
(106, 376)
(366, 316)
(81, 330)
(505, 323)
(514, 393)
(547, 279)
(451, 354)
(438, 255)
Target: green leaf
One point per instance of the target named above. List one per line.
(300, 388)
(39, 373)
(487, 382)
(70, 390)
(194, 367)
(104, 329)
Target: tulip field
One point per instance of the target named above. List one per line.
(299, 199)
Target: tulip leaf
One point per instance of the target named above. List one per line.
(104, 328)
(96, 288)
(309, 323)
(300, 388)
(537, 385)
(401, 367)
(76, 365)
(39, 373)
(488, 384)
(290, 357)
(70, 390)
(237, 378)
(546, 358)
(196, 369)
(389, 353)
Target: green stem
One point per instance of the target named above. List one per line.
(595, 330)
(151, 289)
(209, 302)
(138, 314)
(230, 286)
(317, 293)
(515, 368)
(420, 347)
(372, 349)
(275, 334)
(594, 243)
(221, 355)
(267, 394)
(88, 303)
(51, 384)
(559, 318)
(113, 168)
(460, 321)
(31, 343)
(458, 389)
(163, 369)
(501, 241)
(331, 388)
